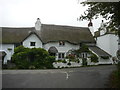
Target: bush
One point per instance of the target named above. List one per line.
(115, 79)
(25, 58)
(71, 56)
(118, 66)
(94, 58)
(64, 61)
(84, 61)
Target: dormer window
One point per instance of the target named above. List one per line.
(61, 43)
(32, 43)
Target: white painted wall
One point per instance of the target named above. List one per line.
(32, 38)
(61, 49)
(109, 43)
(9, 53)
(65, 48)
(38, 24)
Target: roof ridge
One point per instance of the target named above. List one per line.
(16, 27)
(63, 25)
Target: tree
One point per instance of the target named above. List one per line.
(109, 10)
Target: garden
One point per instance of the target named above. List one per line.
(77, 58)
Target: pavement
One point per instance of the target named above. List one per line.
(83, 77)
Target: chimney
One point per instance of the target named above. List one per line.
(38, 24)
(90, 26)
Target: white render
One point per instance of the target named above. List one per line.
(38, 24)
(63, 65)
(61, 49)
(32, 38)
(105, 61)
(9, 50)
(65, 48)
(108, 43)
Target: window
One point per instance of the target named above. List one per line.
(61, 55)
(32, 43)
(61, 43)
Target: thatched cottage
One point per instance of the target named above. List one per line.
(56, 39)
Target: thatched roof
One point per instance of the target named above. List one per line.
(99, 51)
(15, 35)
(49, 33)
(67, 33)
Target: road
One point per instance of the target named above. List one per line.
(84, 77)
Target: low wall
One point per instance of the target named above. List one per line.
(63, 65)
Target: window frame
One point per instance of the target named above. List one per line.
(61, 43)
(32, 43)
(61, 55)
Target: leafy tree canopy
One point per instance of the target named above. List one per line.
(108, 10)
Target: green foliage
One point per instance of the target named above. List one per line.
(26, 58)
(118, 54)
(105, 57)
(115, 79)
(71, 56)
(64, 61)
(109, 10)
(59, 60)
(94, 58)
(84, 48)
(118, 66)
(84, 61)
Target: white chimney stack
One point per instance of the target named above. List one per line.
(38, 24)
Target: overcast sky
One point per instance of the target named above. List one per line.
(23, 13)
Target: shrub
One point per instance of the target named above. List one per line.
(59, 60)
(24, 58)
(118, 66)
(71, 56)
(78, 61)
(31, 67)
(84, 61)
(64, 61)
(94, 58)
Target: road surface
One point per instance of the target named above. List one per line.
(84, 77)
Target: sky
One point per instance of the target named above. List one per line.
(23, 13)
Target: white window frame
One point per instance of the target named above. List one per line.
(32, 45)
(61, 55)
(61, 43)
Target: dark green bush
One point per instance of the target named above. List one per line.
(94, 58)
(118, 66)
(38, 58)
(64, 61)
(84, 61)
